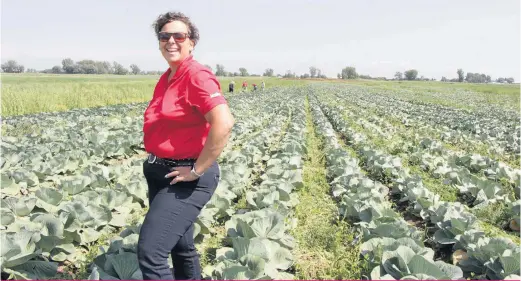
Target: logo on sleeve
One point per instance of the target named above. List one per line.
(216, 94)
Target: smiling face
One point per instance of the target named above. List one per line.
(175, 50)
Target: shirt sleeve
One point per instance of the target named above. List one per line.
(205, 92)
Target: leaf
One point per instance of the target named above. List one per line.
(9, 187)
(125, 264)
(94, 275)
(419, 265)
(118, 219)
(225, 253)
(396, 262)
(236, 272)
(75, 184)
(453, 272)
(17, 248)
(49, 195)
(6, 216)
(510, 264)
(255, 266)
(85, 235)
(441, 236)
(38, 269)
(20, 206)
(254, 246)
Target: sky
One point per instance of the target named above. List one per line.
(379, 38)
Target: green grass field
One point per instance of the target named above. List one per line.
(33, 93)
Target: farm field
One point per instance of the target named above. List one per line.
(34, 93)
(362, 180)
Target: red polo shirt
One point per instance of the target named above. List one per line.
(174, 125)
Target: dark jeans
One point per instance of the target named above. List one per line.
(168, 227)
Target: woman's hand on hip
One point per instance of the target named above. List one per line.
(181, 174)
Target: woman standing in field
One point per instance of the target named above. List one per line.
(186, 126)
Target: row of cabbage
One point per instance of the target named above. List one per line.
(501, 106)
(75, 135)
(450, 226)
(62, 151)
(476, 191)
(389, 242)
(238, 169)
(238, 166)
(76, 175)
(490, 128)
(53, 225)
(480, 180)
(458, 97)
(260, 244)
(71, 119)
(418, 132)
(58, 219)
(385, 107)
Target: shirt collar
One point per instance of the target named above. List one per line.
(181, 69)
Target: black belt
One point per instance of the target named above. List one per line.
(152, 159)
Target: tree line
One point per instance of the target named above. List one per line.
(412, 75)
(68, 66)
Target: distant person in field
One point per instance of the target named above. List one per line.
(254, 86)
(186, 126)
(244, 85)
(263, 85)
(231, 86)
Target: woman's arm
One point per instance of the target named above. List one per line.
(221, 124)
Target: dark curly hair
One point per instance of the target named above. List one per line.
(193, 32)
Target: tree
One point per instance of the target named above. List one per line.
(461, 75)
(107, 66)
(477, 78)
(87, 67)
(268, 72)
(68, 66)
(510, 80)
(289, 74)
(56, 69)
(398, 75)
(339, 76)
(500, 80)
(411, 74)
(11, 66)
(243, 71)
(135, 69)
(444, 79)
(313, 71)
(219, 70)
(119, 69)
(349, 73)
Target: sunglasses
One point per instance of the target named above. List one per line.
(179, 37)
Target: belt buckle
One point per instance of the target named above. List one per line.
(151, 158)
